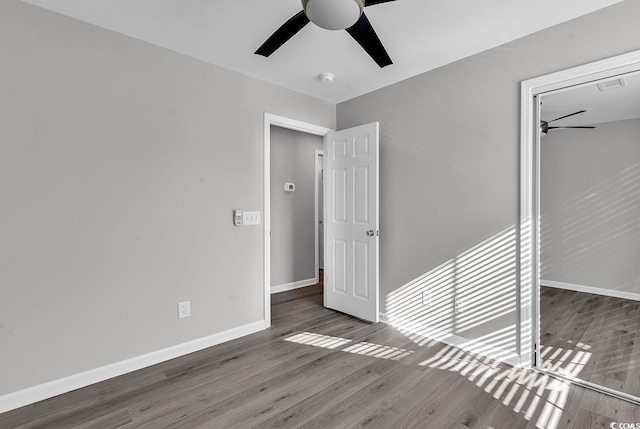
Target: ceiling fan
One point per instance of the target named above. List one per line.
(333, 15)
(544, 125)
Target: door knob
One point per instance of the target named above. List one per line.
(370, 233)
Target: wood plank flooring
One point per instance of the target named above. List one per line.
(593, 337)
(316, 368)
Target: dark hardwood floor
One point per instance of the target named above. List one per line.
(316, 368)
(593, 337)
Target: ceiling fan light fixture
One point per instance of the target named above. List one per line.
(333, 14)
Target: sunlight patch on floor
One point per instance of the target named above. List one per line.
(378, 351)
(539, 397)
(318, 340)
(361, 348)
(568, 362)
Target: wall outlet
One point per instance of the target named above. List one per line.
(184, 309)
(426, 298)
(458, 304)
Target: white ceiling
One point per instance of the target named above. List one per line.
(419, 35)
(601, 106)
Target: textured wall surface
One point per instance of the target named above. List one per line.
(449, 175)
(120, 166)
(590, 206)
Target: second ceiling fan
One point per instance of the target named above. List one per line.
(333, 15)
(544, 125)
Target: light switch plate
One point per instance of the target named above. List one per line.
(251, 218)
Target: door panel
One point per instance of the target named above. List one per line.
(361, 269)
(351, 202)
(340, 195)
(339, 271)
(360, 195)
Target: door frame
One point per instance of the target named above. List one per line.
(316, 154)
(530, 196)
(292, 124)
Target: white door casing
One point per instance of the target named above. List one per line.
(319, 206)
(351, 222)
(586, 74)
(292, 124)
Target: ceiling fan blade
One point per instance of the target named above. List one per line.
(374, 2)
(363, 33)
(566, 116)
(555, 128)
(282, 34)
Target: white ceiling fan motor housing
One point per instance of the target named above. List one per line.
(333, 14)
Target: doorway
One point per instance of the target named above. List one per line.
(294, 209)
(301, 127)
(352, 198)
(568, 212)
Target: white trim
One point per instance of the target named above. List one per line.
(528, 254)
(590, 289)
(529, 179)
(580, 75)
(53, 388)
(316, 154)
(597, 387)
(292, 124)
(470, 346)
(294, 285)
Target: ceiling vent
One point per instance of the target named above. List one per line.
(611, 84)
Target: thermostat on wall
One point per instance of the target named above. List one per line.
(289, 187)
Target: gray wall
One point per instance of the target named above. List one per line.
(292, 213)
(449, 174)
(120, 165)
(590, 206)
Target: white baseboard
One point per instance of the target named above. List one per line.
(591, 289)
(18, 399)
(470, 346)
(294, 285)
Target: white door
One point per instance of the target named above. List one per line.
(351, 221)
